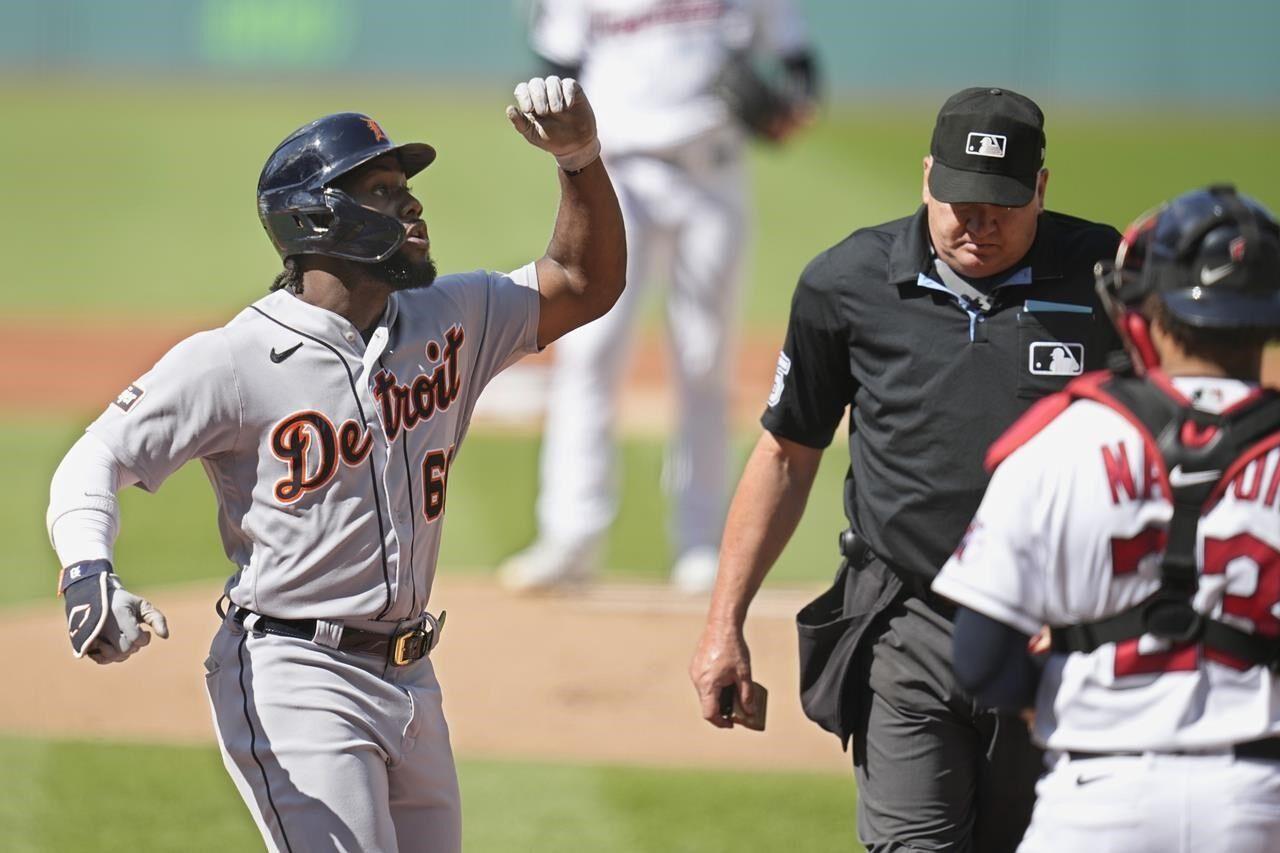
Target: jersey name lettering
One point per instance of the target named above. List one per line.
(410, 404)
(1247, 485)
(1120, 474)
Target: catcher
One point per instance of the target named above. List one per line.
(1135, 513)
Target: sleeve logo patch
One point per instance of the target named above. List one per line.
(1056, 358)
(129, 397)
(779, 379)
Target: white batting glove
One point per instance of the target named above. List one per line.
(105, 621)
(554, 115)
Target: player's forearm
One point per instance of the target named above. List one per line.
(992, 663)
(589, 242)
(766, 508)
(83, 515)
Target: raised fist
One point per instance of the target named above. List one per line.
(554, 115)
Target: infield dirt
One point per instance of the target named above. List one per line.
(599, 677)
(596, 677)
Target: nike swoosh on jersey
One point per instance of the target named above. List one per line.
(278, 357)
(1083, 780)
(1213, 275)
(1179, 478)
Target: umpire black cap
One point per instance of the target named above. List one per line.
(988, 148)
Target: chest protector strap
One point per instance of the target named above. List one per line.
(1201, 454)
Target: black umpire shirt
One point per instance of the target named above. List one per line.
(933, 377)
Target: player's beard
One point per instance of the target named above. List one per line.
(400, 272)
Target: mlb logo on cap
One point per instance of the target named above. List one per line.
(987, 148)
(986, 144)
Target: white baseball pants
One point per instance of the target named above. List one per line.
(686, 218)
(329, 751)
(1157, 803)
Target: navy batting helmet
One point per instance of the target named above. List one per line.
(304, 215)
(1212, 256)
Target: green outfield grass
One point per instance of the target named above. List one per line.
(171, 537)
(108, 797)
(136, 197)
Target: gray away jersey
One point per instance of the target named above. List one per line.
(329, 458)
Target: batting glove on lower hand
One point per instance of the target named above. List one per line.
(104, 620)
(554, 115)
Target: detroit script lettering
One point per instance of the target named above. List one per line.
(312, 447)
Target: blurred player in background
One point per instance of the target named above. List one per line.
(676, 95)
(1136, 515)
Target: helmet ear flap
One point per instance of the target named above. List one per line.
(304, 213)
(1137, 333)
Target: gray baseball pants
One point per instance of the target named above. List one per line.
(933, 771)
(334, 750)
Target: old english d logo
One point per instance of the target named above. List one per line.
(378, 135)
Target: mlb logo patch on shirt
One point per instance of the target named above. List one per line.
(779, 379)
(128, 397)
(1056, 358)
(986, 144)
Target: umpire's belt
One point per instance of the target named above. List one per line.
(859, 554)
(1266, 748)
(410, 643)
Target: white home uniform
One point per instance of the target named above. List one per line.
(1069, 532)
(330, 459)
(675, 157)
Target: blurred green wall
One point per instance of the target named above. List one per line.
(1165, 50)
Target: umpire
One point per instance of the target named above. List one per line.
(939, 330)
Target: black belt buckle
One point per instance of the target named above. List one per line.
(409, 646)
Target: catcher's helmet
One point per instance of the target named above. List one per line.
(1211, 255)
(303, 215)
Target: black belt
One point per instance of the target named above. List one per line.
(859, 554)
(1265, 748)
(400, 648)
(919, 588)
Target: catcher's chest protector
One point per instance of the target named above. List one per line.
(1198, 455)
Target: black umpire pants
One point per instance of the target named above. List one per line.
(934, 772)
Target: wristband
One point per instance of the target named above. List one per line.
(575, 161)
(81, 570)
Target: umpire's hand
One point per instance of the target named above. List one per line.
(721, 659)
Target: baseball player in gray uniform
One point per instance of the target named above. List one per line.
(327, 416)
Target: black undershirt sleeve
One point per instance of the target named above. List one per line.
(991, 662)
